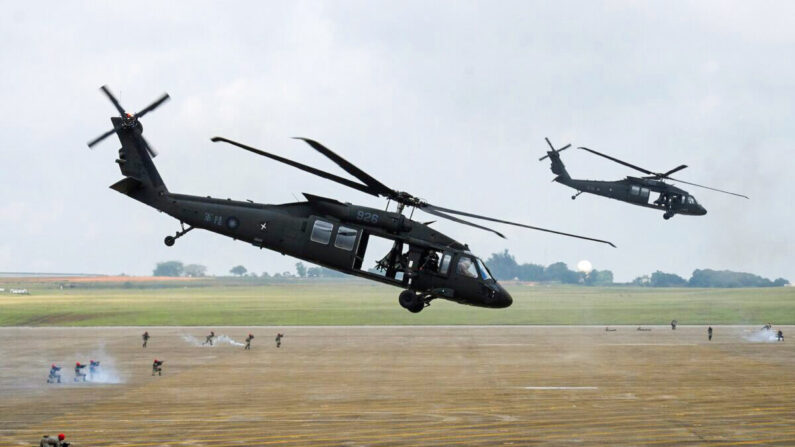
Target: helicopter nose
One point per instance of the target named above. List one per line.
(703, 211)
(502, 298)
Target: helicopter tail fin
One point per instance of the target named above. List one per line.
(135, 159)
(557, 166)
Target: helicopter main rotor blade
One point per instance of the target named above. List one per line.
(637, 168)
(676, 169)
(303, 167)
(153, 106)
(96, 140)
(113, 99)
(708, 187)
(430, 209)
(351, 169)
(476, 216)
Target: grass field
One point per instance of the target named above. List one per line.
(362, 303)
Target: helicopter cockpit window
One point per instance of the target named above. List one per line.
(346, 238)
(466, 267)
(691, 200)
(321, 232)
(445, 265)
(484, 272)
(634, 190)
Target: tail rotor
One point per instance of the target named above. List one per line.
(128, 120)
(553, 150)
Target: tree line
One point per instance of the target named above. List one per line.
(505, 267)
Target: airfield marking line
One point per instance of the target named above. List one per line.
(559, 387)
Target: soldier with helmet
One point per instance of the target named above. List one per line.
(157, 367)
(54, 374)
(79, 374)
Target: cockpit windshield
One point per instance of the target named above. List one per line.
(484, 272)
(691, 200)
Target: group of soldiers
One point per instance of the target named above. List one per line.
(80, 376)
(157, 365)
(779, 334)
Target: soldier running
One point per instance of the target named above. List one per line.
(79, 374)
(49, 441)
(248, 342)
(54, 374)
(673, 324)
(145, 336)
(93, 368)
(157, 367)
(279, 340)
(780, 335)
(709, 333)
(209, 339)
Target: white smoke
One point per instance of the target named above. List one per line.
(761, 336)
(217, 340)
(106, 372)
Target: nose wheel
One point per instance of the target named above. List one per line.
(170, 240)
(576, 195)
(668, 215)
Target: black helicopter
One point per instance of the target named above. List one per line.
(634, 190)
(323, 231)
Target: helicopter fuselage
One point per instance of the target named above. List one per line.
(637, 191)
(423, 261)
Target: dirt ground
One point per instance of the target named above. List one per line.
(361, 386)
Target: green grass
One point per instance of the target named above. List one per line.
(357, 303)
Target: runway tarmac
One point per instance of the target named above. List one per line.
(362, 386)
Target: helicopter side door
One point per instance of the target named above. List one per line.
(332, 243)
(432, 270)
(638, 194)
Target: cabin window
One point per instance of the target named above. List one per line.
(484, 272)
(445, 265)
(466, 267)
(346, 238)
(321, 232)
(634, 190)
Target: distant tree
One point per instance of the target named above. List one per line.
(531, 272)
(288, 275)
(265, 275)
(727, 278)
(599, 278)
(329, 273)
(559, 271)
(195, 270)
(779, 282)
(300, 268)
(238, 270)
(503, 265)
(168, 268)
(662, 279)
(314, 272)
(642, 281)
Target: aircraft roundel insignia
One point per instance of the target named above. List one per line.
(232, 222)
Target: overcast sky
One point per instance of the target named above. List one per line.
(448, 100)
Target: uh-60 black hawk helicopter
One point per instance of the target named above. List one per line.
(323, 231)
(634, 190)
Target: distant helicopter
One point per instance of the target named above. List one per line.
(323, 231)
(634, 190)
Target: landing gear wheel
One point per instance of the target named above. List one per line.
(411, 301)
(668, 215)
(169, 241)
